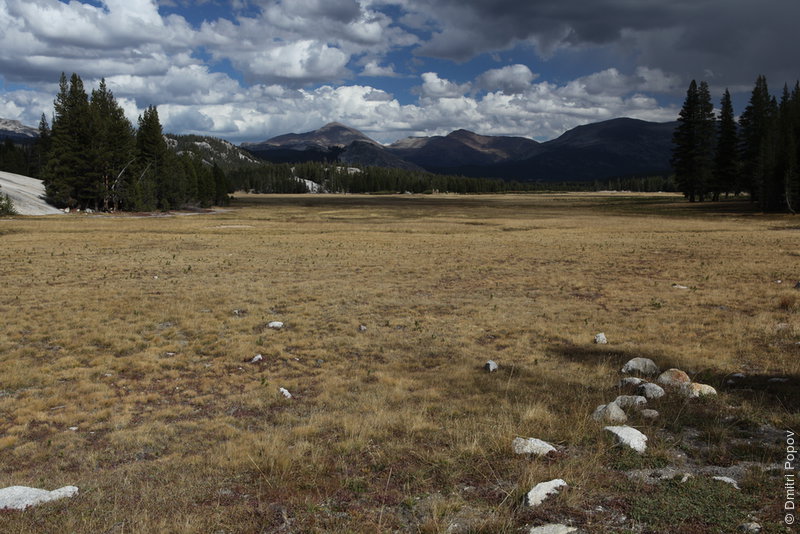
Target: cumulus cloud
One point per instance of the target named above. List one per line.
(434, 87)
(511, 79)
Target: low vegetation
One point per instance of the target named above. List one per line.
(126, 343)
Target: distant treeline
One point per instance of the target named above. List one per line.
(332, 177)
(714, 155)
(93, 157)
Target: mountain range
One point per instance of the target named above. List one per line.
(613, 148)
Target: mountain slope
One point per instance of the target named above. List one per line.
(17, 132)
(333, 134)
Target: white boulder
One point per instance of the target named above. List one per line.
(600, 339)
(630, 381)
(490, 366)
(543, 490)
(553, 528)
(275, 325)
(609, 413)
(695, 390)
(533, 446)
(644, 366)
(257, 358)
(651, 391)
(630, 437)
(285, 393)
(649, 414)
(21, 497)
(630, 401)
(727, 480)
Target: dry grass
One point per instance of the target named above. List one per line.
(138, 331)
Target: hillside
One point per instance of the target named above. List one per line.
(17, 132)
(27, 194)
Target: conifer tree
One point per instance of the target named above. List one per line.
(693, 143)
(757, 137)
(726, 163)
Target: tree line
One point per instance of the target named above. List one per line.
(759, 154)
(92, 157)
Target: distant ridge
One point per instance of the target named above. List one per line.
(602, 150)
(17, 132)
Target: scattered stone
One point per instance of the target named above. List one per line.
(285, 393)
(239, 312)
(737, 376)
(490, 366)
(553, 528)
(257, 358)
(630, 401)
(629, 437)
(533, 446)
(21, 497)
(727, 480)
(609, 413)
(275, 325)
(651, 391)
(649, 414)
(679, 286)
(600, 339)
(750, 528)
(541, 491)
(673, 377)
(695, 390)
(362, 328)
(73, 428)
(778, 380)
(644, 366)
(631, 381)
(686, 477)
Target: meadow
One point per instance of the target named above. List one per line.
(126, 346)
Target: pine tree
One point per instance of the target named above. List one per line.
(112, 146)
(726, 162)
(757, 137)
(67, 167)
(151, 152)
(693, 143)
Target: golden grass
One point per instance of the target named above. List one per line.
(138, 331)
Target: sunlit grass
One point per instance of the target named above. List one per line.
(125, 346)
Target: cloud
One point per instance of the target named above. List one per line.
(434, 87)
(511, 79)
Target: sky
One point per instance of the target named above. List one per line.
(248, 70)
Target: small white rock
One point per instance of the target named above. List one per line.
(673, 377)
(257, 358)
(679, 286)
(541, 491)
(630, 381)
(629, 437)
(727, 480)
(609, 413)
(73, 428)
(778, 380)
(649, 414)
(695, 390)
(490, 366)
(651, 391)
(285, 393)
(553, 528)
(644, 366)
(750, 528)
(630, 401)
(600, 339)
(532, 446)
(277, 325)
(21, 497)
(362, 328)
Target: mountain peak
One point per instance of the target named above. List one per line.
(333, 134)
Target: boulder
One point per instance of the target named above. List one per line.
(727, 480)
(600, 339)
(630, 437)
(695, 390)
(533, 446)
(285, 393)
(490, 366)
(362, 328)
(630, 401)
(257, 358)
(275, 325)
(609, 413)
(750, 528)
(630, 381)
(543, 490)
(650, 391)
(642, 366)
(553, 528)
(649, 414)
(21, 497)
(673, 377)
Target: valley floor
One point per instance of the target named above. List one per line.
(126, 347)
